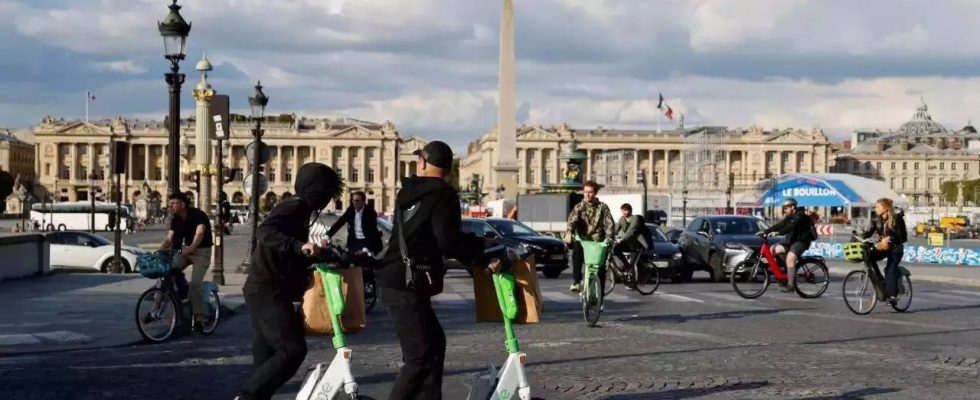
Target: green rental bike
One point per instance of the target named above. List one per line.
(594, 259)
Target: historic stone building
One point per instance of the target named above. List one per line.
(705, 159)
(67, 152)
(916, 159)
(16, 156)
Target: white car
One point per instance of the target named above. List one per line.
(86, 250)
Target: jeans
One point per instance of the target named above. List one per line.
(279, 347)
(892, 257)
(423, 345)
(578, 258)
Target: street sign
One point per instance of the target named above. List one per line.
(936, 239)
(263, 184)
(264, 153)
(220, 112)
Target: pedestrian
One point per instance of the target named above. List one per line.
(591, 220)
(362, 226)
(17, 228)
(427, 229)
(278, 278)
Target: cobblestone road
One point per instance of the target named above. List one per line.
(696, 340)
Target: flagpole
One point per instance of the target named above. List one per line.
(659, 111)
(88, 95)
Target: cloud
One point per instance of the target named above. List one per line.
(122, 66)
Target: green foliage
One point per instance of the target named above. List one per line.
(453, 177)
(950, 191)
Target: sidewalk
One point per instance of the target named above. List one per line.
(80, 310)
(950, 274)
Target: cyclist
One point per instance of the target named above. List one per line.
(190, 232)
(890, 228)
(798, 231)
(591, 220)
(631, 235)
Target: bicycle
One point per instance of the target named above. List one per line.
(640, 274)
(751, 277)
(159, 313)
(868, 285)
(594, 258)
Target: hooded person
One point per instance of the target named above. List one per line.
(279, 276)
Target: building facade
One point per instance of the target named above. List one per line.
(704, 161)
(16, 158)
(67, 152)
(916, 159)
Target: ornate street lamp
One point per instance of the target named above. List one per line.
(257, 102)
(92, 178)
(174, 30)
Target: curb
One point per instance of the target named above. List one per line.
(228, 312)
(842, 271)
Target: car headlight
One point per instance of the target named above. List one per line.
(678, 256)
(530, 247)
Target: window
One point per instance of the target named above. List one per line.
(942, 166)
(905, 183)
(289, 175)
(878, 165)
(892, 183)
(355, 175)
(905, 165)
(338, 152)
(694, 225)
(952, 166)
(915, 183)
(157, 173)
(340, 172)
(893, 165)
(82, 173)
(916, 166)
(941, 182)
(64, 149)
(272, 175)
(158, 150)
(370, 175)
(867, 165)
(966, 166)
(369, 152)
(546, 178)
(65, 172)
(928, 183)
(82, 150)
(47, 169)
(530, 176)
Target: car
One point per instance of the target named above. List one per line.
(666, 255)
(550, 254)
(71, 249)
(674, 234)
(707, 238)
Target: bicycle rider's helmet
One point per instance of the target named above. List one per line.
(789, 202)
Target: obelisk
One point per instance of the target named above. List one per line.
(203, 134)
(507, 168)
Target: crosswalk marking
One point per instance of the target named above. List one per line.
(966, 292)
(943, 296)
(449, 297)
(560, 297)
(676, 298)
(621, 298)
(733, 300)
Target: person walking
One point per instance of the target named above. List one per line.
(427, 230)
(278, 278)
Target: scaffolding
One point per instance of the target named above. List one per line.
(705, 180)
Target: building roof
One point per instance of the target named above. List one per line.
(921, 123)
(7, 136)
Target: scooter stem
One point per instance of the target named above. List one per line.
(504, 285)
(335, 302)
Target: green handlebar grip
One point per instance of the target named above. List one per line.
(504, 284)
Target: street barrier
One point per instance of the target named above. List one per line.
(913, 254)
(23, 255)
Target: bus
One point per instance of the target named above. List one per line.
(77, 216)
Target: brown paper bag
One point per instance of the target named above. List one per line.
(317, 315)
(528, 294)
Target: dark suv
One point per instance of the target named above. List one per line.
(706, 238)
(550, 254)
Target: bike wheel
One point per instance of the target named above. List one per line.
(156, 315)
(860, 293)
(213, 307)
(610, 280)
(904, 298)
(370, 295)
(750, 278)
(812, 279)
(592, 301)
(646, 277)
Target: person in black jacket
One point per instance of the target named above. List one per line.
(890, 228)
(798, 231)
(429, 210)
(362, 226)
(279, 276)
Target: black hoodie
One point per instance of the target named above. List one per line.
(278, 263)
(434, 230)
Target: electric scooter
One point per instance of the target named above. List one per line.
(510, 379)
(327, 381)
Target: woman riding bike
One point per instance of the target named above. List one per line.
(890, 228)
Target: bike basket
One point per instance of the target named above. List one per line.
(154, 265)
(594, 253)
(854, 252)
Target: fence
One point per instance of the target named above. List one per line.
(913, 254)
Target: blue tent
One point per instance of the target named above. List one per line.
(820, 190)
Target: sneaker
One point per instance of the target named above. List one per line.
(891, 301)
(786, 288)
(575, 288)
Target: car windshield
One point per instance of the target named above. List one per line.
(738, 226)
(658, 236)
(99, 240)
(512, 228)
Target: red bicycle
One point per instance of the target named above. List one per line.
(751, 277)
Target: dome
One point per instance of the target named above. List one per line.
(921, 123)
(969, 128)
(204, 64)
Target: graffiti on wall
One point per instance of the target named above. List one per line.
(913, 254)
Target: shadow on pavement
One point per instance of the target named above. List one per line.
(902, 335)
(687, 393)
(855, 394)
(940, 309)
(709, 316)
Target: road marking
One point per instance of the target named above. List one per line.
(18, 339)
(943, 296)
(620, 298)
(449, 297)
(733, 300)
(858, 318)
(694, 335)
(966, 292)
(676, 298)
(560, 297)
(64, 337)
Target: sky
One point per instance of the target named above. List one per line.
(430, 66)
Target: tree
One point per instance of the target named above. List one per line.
(950, 191)
(6, 188)
(453, 177)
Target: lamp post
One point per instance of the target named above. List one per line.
(684, 208)
(257, 102)
(91, 195)
(174, 30)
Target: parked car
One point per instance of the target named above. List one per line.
(707, 238)
(550, 254)
(674, 234)
(666, 255)
(86, 250)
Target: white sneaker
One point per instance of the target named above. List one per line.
(575, 288)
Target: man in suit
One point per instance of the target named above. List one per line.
(362, 226)
(631, 233)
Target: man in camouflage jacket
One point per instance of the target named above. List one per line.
(590, 220)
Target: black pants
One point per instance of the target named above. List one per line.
(423, 345)
(279, 347)
(578, 258)
(892, 257)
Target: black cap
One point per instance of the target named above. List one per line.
(438, 154)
